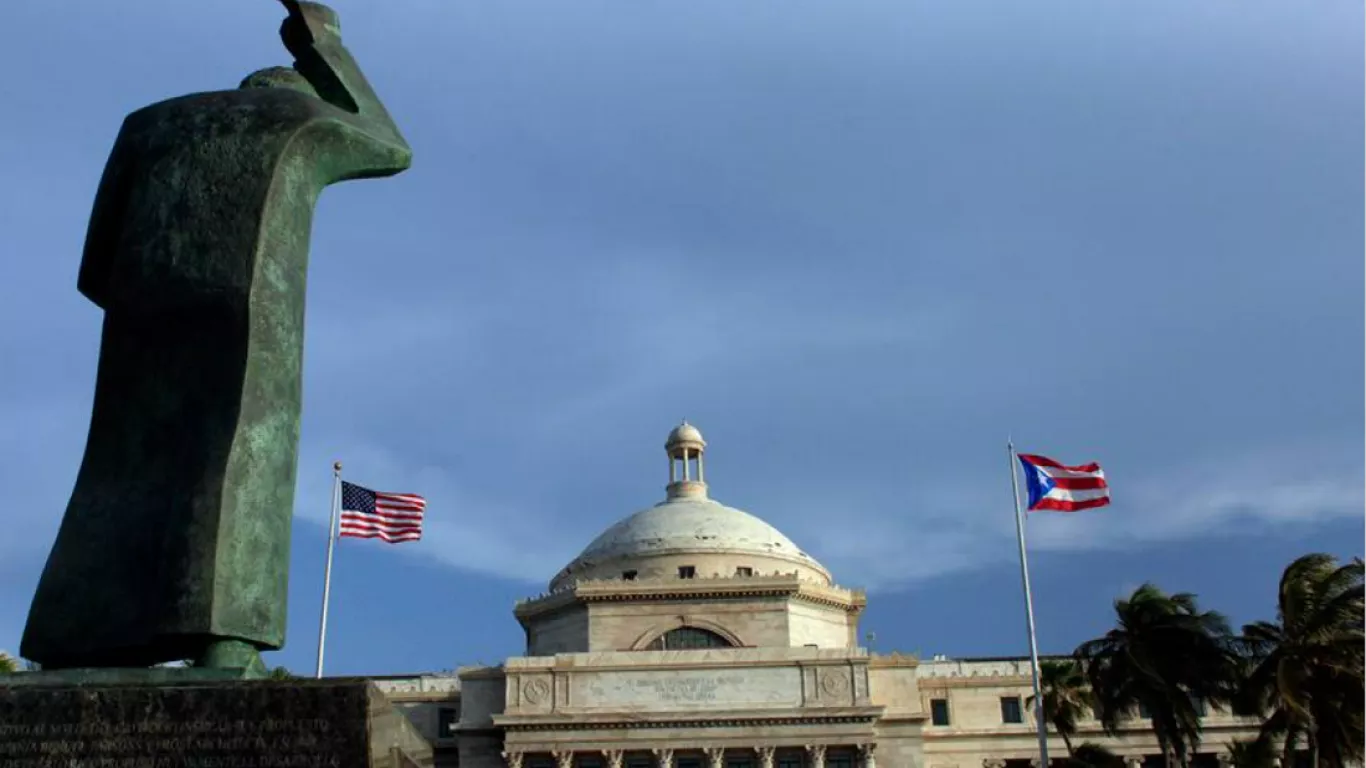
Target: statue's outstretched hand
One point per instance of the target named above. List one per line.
(308, 24)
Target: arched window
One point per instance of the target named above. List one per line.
(684, 638)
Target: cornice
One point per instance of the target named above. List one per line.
(567, 720)
(588, 591)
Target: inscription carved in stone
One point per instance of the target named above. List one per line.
(265, 743)
(689, 689)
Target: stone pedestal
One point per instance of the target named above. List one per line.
(46, 721)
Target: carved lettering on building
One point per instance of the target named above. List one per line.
(266, 743)
(689, 689)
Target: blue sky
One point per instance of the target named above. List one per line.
(857, 243)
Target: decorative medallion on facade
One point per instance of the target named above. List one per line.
(834, 683)
(536, 692)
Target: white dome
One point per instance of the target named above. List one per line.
(685, 433)
(690, 526)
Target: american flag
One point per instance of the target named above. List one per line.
(368, 514)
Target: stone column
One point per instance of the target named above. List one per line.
(716, 757)
(815, 755)
(664, 757)
(1133, 761)
(614, 757)
(514, 759)
(765, 756)
(993, 762)
(1225, 760)
(866, 752)
(564, 759)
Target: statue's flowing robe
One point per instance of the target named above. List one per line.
(178, 529)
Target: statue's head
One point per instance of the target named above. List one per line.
(278, 77)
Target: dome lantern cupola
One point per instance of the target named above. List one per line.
(685, 447)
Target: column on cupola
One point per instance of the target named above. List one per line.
(1133, 761)
(664, 758)
(513, 759)
(615, 757)
(564, 759)
(765, 756)
(716, 757)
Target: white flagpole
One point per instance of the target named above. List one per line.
(327, 572)
(1029, 611)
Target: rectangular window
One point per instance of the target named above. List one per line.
(1143, 711)
(639, 761)
(628, 575)
(744, 570)
(939, 711)
(588, 761)
(446, 719)
(790, 760)
(1010, 710)
(839, 760)
(739, 762)
(686, 571)
(688, 762)
(1200, 708)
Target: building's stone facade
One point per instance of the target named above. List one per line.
(693, 635)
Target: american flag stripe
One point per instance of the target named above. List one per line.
(392, 538)
(390, 517)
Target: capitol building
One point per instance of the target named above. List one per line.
(695, 635)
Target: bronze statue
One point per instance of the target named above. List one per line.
(175, 543)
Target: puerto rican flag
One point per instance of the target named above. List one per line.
(1054, 486)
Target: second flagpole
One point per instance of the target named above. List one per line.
(327, 571)
(1029, 610)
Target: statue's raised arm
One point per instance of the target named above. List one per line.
(312, 33)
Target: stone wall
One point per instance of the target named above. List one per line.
(976, 731)
(895, 685)
(678, 681)
(819, 625)
(482, 695)
(718, 564)
(564, 631)
(755, 622)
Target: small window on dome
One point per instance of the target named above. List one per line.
(628, 575)
(744, 570)
(686, 572)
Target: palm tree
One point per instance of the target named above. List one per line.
(1306, 667)
(1062, 686)
(1091, 755)
(8, 664)
(1166, 656)
(281, 673)
(1251, 753)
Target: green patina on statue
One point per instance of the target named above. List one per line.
(175, 543)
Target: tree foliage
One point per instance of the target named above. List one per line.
(1305, 674)
(1066, 697)
(1164, 655)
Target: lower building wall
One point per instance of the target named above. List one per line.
(899, 745)
(481, 750)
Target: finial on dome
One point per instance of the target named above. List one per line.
(685, 447)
